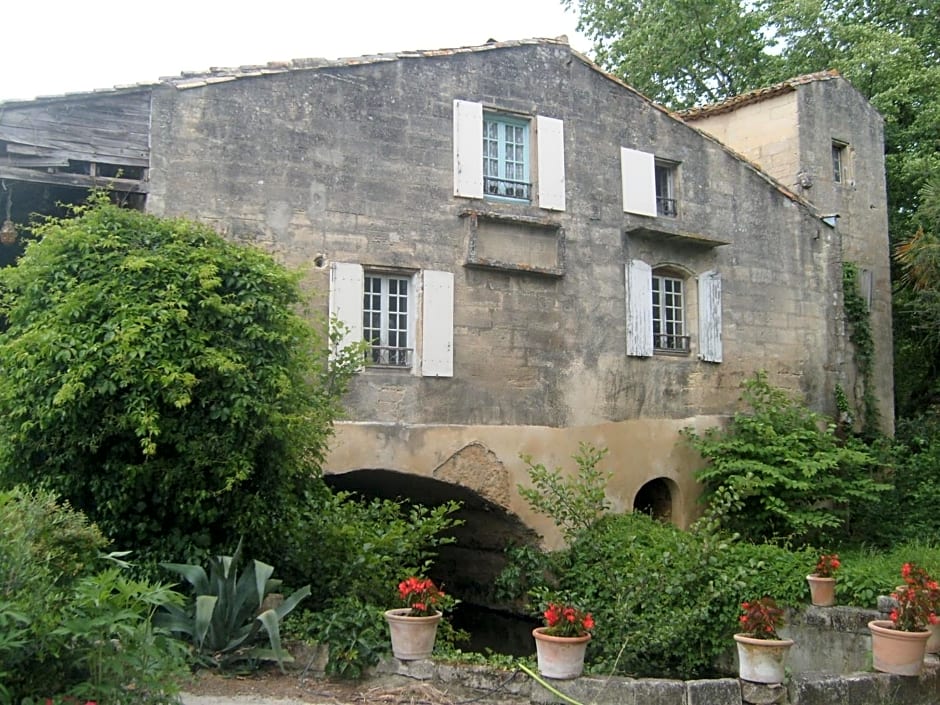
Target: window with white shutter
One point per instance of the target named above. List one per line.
(380, 307)
(639, 297)
(493, 156)
(638, 177)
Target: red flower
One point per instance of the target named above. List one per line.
(567, 620)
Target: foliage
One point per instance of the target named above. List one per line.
(567, 620)
(761, 618)
(868, 573)
(665, 600)
(353, 631)
(163, 380)
(69, 627)
(363, 547)
(917, 308)
(225, 617)
(917, 600)
(574, 504)
(780, 471)
(422, 597)
(826, 565)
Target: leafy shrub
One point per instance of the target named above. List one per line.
(163, 380)
(365, 548)
(226, 615)
(780, 471)
(574, 504)
(66, 626)
(354, 632)
(867, 573)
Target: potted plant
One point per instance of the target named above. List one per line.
(933, 643)
(898, 645)
(413, 627)
(822, 581)
(561, 643)
(762, 654)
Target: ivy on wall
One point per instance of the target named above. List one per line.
(859, 319)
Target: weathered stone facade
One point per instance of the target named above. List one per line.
(529, 318)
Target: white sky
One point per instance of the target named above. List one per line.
(50, 47)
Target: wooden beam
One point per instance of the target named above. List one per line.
(76, 180)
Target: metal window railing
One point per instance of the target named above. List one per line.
(666, 206)
(506, 188)
(387, 356)
(665, 342)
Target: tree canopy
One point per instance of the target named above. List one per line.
(162, 379)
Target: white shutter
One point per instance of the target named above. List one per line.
(709, 316)
(437, 317)
(639, 279)
(468, 149)
(551, 157)
(346, 282)
(638, 174)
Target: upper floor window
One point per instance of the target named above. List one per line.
(500, 156)
(839, 162)
(668, 312)
(665, 175)
(505, 157)
(385, 319)
(648, 183)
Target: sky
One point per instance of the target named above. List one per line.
(51, 47)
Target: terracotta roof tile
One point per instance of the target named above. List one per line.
(756, 96)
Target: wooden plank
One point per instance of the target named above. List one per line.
(33, 162)
(77, 180)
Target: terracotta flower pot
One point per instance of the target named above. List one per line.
(894, 651)
(412, 637)
(762, 660)
(933, 643)
(560, 657)
(822, 591)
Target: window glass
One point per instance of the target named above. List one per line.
(665, 175)
(506, 157)
(385, 320)
(838, 162)
(669, 329)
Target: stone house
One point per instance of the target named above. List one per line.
(540, 255)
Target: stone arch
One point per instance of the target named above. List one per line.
(657, 498)
(468, 566)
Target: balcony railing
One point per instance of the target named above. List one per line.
(666, 206)
(506, 188)
(663, 342)
(385, 356)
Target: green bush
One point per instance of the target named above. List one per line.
(364, 548)
(163, 380)
(781, 472)
(67, 627)
(867, 573)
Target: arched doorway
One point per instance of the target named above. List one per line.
(655, 498)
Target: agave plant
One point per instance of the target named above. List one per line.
(224, 620)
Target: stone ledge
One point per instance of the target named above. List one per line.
(801, 689)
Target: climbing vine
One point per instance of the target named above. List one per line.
(859, 318)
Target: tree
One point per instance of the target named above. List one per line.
(163, 381)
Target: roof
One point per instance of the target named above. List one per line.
(196, 79)
(758, 95)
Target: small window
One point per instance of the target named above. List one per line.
(506, 157)
(669, 326)
(386, 320)
(839, 162)
(665, 175)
